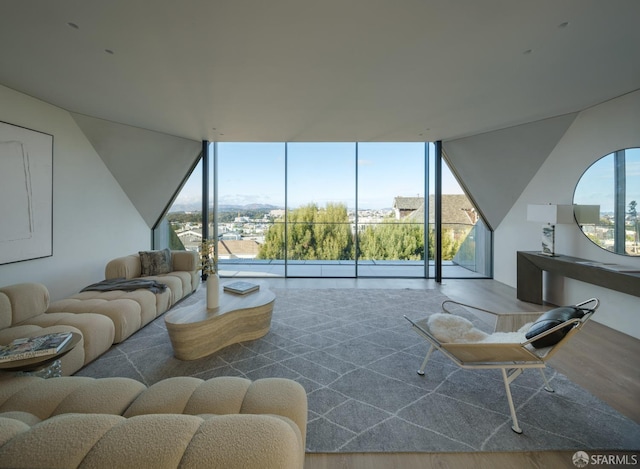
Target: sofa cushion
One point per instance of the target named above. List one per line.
(26, 300)
(10, 427)
(123, 267)
(71, 394)
(97, 330)
(5, 311)
(153, 441)
(71, 361)
(155, 262)
(81, 425)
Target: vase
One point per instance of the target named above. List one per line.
(213, 291)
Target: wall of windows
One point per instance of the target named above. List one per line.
(334, 210)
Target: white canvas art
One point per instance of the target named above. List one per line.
(26, 170)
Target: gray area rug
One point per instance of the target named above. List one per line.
(357, 357)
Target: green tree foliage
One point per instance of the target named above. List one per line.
(325, 234)
(633, 218)
(179, 218)
(392, 240)
(313, 234)
(175, 243)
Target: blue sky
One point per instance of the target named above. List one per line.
(319, 173)
(597, 184)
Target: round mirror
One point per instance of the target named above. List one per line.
(605, 202)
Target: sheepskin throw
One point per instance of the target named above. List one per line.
(449, 328)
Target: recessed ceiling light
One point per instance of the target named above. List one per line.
(109, 51)
(73, 25)
(563, 25)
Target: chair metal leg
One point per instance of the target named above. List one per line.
(424, 363)
(547, 386)
(507, 381)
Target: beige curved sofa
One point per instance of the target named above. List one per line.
(132, 310)
(227, 422)
(22, 314)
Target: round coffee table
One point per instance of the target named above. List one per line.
(46, 366)
(196, 332)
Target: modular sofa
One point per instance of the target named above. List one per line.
(131, 310)
(22, 314)
(225, 422)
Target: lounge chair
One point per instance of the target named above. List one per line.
(520, 340)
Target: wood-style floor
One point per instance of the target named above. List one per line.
(600, 359)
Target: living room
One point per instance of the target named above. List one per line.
(105, 202)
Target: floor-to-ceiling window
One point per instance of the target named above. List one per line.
(250, 208)
(320, 208)
(391, 209)
(466, 240)
(181, 227)
(330, 210)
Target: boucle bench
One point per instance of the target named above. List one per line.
(132, 310)
(225, 422)
(22, 314)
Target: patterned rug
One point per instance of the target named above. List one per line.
(357, 357)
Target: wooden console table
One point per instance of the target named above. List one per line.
(530, 266)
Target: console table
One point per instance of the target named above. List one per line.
(530, 266)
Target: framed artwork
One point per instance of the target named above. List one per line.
(26, 194)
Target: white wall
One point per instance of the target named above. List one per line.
(93, 220)
(595, 133)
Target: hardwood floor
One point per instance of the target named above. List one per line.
(600, 359)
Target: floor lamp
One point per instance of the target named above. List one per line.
(551, 215)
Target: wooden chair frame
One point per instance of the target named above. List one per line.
(510, 358)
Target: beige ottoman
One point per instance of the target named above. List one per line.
(129, 311)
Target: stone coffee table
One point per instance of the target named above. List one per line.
(196, 332)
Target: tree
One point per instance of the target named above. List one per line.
(312, 234)
(392, 240)
(315, 233)
(633, 216)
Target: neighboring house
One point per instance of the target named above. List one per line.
(237, 249)
(404, 206)
(457, 209)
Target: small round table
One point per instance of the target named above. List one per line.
(46, 366)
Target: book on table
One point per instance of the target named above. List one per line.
(30, 347)
(241, 288)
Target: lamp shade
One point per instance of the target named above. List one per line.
(587, 214)
(550, 213)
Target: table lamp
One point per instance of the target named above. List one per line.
(551, 215)
(587, 214)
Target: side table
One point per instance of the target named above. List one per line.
(47, 366)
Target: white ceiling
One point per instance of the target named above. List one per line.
(328, 70)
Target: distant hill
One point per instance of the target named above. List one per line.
(232, 208)
(195, 207)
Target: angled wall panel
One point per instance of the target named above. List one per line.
(495, 167)
(148, 165)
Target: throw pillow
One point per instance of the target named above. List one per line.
(551, 319)
(155, 262)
